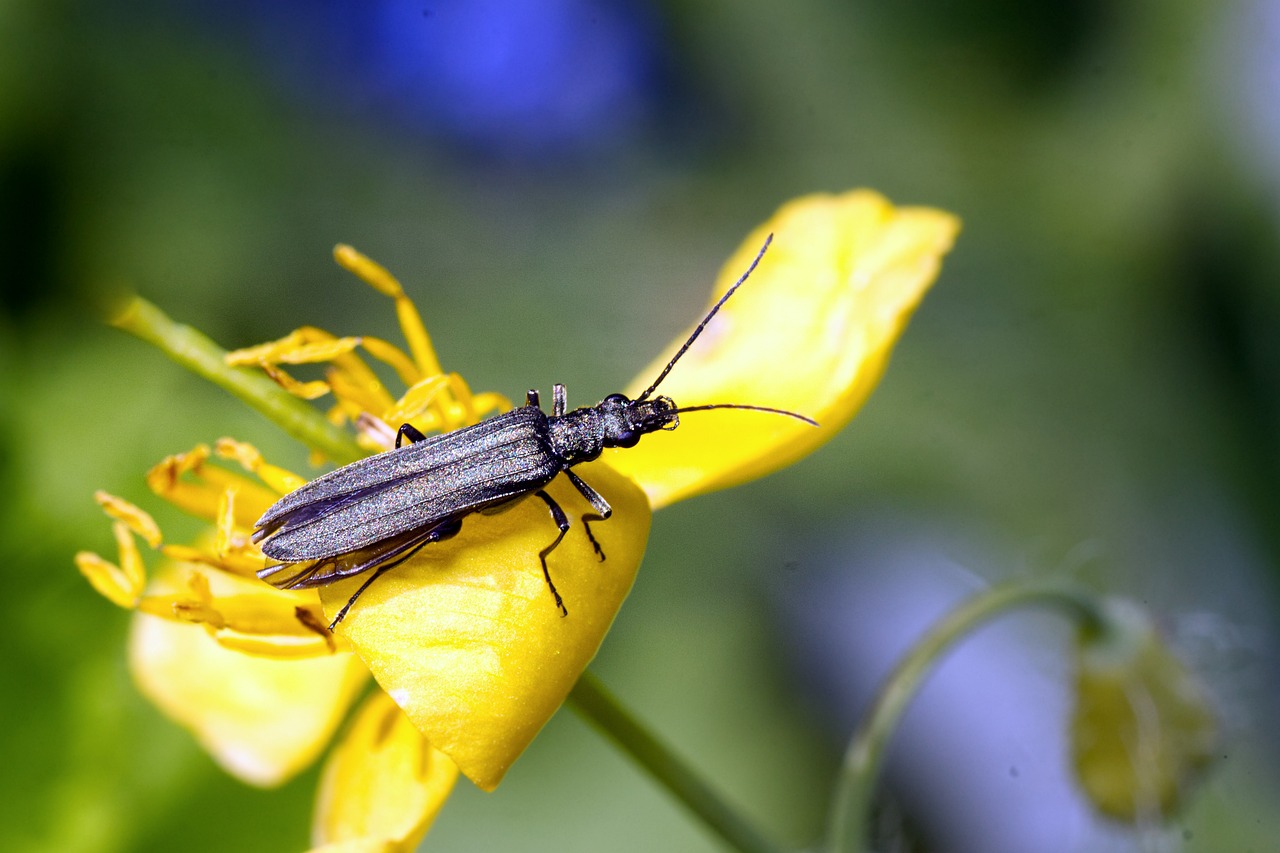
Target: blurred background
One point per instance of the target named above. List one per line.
(1093, 387)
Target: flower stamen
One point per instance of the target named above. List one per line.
(203, 495)
(121, 584)
(134, 517)
(239, 563)
(250, 458)
(267, 624)
(393, 357)
(381, 280)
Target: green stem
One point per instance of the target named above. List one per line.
(191, 349)
(849, 827)
(590, 699)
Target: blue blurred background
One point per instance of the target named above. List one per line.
(1093, 387)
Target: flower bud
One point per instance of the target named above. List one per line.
(1143, 727)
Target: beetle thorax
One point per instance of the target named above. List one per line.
(577, 436)
(580, 435)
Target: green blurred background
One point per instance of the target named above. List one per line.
(1093, 386)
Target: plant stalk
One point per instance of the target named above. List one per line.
(849, 828)
(600, 708)
(196, 352)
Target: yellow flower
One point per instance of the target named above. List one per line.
(464, 637)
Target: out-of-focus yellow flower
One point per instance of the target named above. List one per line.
(1143, 728)
(464, 637)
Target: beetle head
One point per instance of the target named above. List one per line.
(625, 420)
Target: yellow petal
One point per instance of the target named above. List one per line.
(263, 720)
(383, 785)
(275, 646)
(809, 332)
(466, 636)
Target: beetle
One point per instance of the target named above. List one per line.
(378, 512)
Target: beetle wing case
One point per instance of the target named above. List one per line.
(411, 489)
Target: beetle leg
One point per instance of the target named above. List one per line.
(559, 401)
(435, 534)
(531, 398)
(410, 432)
(586, 525)
(562, 522)
(593, 497)
(342, 614)
(597, 500)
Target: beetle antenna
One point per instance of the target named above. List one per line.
(705, 321)
(809, 421)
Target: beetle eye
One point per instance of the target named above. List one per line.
(627, 438)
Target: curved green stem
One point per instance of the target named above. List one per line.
(191, 349)
(849, 826)
(590, 699)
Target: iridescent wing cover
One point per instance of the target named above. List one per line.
(381, 507)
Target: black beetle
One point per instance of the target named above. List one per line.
(377, 512)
